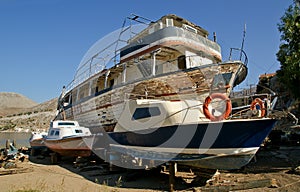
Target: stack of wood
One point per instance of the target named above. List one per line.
(10, 157)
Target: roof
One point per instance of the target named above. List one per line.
(267, 75)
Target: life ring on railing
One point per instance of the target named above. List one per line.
(226, 113)
(260, 103)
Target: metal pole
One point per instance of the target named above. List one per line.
(124, 73)
(244, 35)
(154, 63)
(106, 78)
(154, 60)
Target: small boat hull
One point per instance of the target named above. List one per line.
(72, 147)
(37, 144)
(228, 144)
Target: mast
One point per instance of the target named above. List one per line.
(244, 35)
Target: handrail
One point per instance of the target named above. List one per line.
(74, 82)
(109, 56)
(91, 67)
(242, 55)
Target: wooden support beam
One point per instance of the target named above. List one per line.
(54, 158)
(171, 176)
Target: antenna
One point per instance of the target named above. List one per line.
(244, 35)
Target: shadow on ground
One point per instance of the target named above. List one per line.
(95, 170)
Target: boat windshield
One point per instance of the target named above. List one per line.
(66, 123)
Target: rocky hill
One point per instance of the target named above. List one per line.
(20, 113)
(11, 103)
(8, 100)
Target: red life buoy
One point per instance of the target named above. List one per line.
(258, 101)
(208, 99)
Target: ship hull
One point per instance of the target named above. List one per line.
(72, 147)
(229, 144)
(37, 144)
(103, 109)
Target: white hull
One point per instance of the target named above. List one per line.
(228, 158)
(66, 138)
(73, 146)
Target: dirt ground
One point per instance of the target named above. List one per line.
(273, 170)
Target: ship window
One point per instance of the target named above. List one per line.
(84, 91)
(220, 80)
(111, 82)
(181, 62)
(94, 88)
(56, 133)
(145, 112)
(66, 100)
(189, 28)
(66, 123)
(52, 132)
(169, 22)
(78, 131)
(74, 93)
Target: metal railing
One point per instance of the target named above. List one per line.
(110, 55)
(242, 55)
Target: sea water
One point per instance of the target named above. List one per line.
(21, 138)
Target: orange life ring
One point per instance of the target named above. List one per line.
(227, 112)
(258, 101)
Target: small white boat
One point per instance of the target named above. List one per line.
(65, 138)
(36, 142)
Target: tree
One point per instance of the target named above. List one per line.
(289, 50)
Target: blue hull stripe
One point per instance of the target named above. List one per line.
(226, 134)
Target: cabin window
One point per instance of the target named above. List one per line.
(220, 80)
(94, 88)
(67, 100)
(181, 62)
(52, 132)
(189, 28)
(84, 91)
(234, 104)
(145, 112)
(151, 29)
(111, 82)
(56, 133)
(78, 131)
(169, 22)
(66, 123)
(74, 93)
(99, 84)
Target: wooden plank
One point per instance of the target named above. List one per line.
(14, 171)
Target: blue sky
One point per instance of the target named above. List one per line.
(43, 41)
